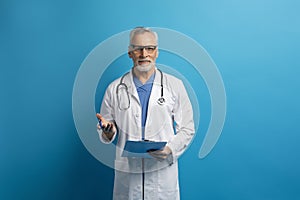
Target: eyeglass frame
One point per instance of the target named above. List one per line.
(138, 49)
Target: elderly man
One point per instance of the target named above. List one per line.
(146, 104)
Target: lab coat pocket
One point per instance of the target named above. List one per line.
(169, 102)
(169, 178)
(168, 182)
(159, 119)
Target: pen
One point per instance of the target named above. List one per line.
(100, 123)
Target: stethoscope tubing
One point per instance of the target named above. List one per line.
(160, 101)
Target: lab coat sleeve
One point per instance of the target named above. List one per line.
(183, 117)
(107, 111)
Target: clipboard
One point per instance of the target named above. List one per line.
(140, 148)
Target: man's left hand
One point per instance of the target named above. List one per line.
(161, 154)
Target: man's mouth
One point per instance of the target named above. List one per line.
(144, 62)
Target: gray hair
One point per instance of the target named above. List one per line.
(141, 30)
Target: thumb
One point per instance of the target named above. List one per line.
(99, 116)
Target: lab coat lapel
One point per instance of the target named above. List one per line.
(155, 92)
(131, 88)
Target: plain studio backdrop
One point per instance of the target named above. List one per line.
(255, 45)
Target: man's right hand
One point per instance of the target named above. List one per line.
(108, 128)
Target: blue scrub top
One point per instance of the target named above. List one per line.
(144, 91)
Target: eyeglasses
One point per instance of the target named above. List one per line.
(139, 49)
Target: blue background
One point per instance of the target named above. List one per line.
(255, 45)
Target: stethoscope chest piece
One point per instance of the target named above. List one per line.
(161, 101)
(121, 85)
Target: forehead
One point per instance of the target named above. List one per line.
(144, 39)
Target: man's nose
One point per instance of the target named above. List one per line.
(144, 52)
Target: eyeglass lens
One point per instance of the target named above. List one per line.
(149, 49)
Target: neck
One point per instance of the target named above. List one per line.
(143, 76)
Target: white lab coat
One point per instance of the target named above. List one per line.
(160, 178)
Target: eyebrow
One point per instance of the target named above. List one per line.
(151, 45)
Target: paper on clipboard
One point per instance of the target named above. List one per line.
(140, 148)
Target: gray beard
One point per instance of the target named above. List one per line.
(144, 68)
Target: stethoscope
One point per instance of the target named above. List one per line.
(161, 100)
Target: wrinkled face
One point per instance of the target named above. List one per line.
(143, 51)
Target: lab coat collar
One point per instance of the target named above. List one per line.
(131, 86)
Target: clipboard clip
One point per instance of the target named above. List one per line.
(148, 140)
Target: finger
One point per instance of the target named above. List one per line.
(158, 157)
(102, 120)
(100, 117)
(158, 152)
(107, 128)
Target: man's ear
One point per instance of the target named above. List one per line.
(130, 54)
